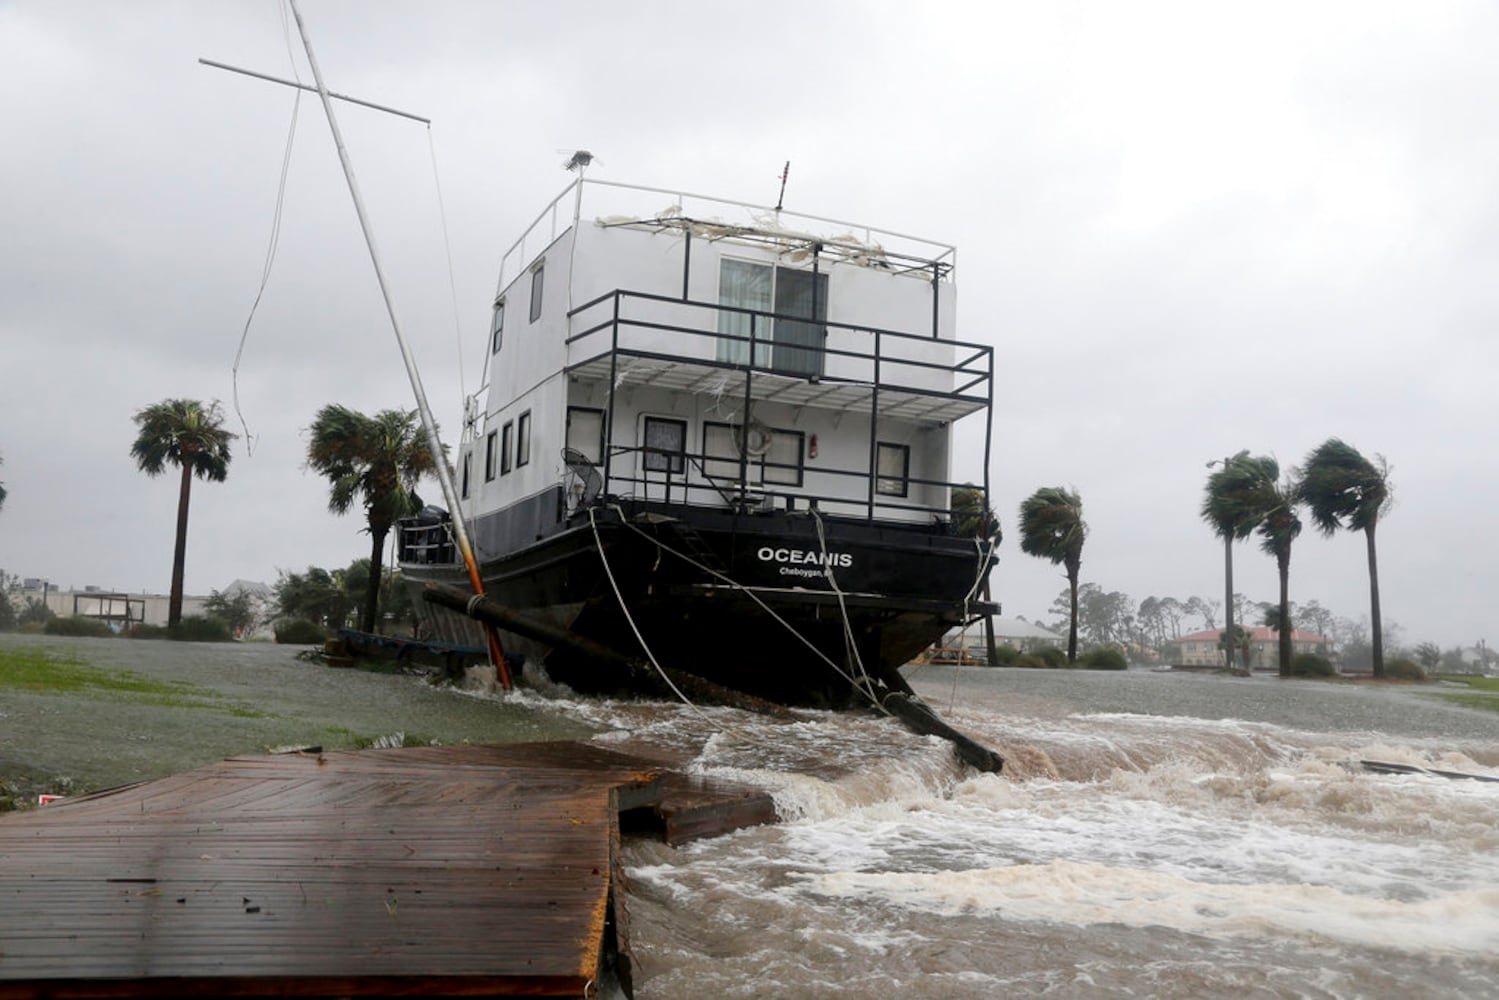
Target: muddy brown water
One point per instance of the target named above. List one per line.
(1153, 835)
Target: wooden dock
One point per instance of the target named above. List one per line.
(430, 871)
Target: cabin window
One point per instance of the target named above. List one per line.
(497, 327)
(665, 445)
(537, 273)
(506, 437)
(585, 432)
(523, 439)
(743, 285)
(894, 469)
(489, 464)
(720, 451)
(783, 459)
(468, 462)
(792, 345)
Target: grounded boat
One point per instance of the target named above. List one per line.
(719, 438)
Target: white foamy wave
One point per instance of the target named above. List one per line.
(1067, 892)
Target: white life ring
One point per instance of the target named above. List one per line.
(756, 438)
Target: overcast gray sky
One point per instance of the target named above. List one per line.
(1187, 228)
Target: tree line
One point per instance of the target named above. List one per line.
(1336, 485)
(370, 462)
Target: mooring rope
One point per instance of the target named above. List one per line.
(598, 541)
(850, 645)
(853, 682)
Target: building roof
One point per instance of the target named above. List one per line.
(1259, 633)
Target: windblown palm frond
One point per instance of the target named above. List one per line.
(375, 461)
(190, 435)
(1343, 489)
(1052, 527)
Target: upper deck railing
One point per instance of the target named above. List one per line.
(614, 203)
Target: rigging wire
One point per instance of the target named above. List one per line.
(447, 246)
(265, 273)
(275, 238)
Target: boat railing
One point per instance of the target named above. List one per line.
(649, 327)
(424, 543)
(695, 486)
(615, 203)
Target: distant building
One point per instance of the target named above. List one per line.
(1017, 633)
(120, 609)
(1203, 649)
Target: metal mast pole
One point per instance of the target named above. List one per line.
(434, 443)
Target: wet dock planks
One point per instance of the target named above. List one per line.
(432, 871)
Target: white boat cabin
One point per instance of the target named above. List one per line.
(669, 347)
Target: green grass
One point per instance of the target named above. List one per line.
(1480, 693)
(37, 671)
(1473, 681)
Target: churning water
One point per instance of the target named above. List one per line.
(1153, 835)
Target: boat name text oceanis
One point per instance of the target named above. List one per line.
(805, 563)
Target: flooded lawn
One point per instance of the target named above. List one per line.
(84, 714)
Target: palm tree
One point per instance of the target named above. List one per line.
(1343, 489)
(976, 519)
(1231, 522)
(1246, 494)
(1051, 527)
(191, 436)
(377, 461)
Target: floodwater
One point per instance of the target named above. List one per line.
(1153, 835)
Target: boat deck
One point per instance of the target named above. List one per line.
(429, 871)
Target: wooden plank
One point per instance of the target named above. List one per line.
(420, 871)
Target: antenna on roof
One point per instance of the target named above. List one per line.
(785, 172)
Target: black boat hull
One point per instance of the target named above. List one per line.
(742, 600)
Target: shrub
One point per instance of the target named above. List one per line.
(1103, 658)
(1030, 661)
(1403, 669)
(1051, 656)
(298, 631)
(1005, 656)
(196, 628)
(1311, 665)
(77, 625)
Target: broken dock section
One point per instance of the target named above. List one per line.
(433, 871)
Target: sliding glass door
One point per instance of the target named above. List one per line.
(791, 345)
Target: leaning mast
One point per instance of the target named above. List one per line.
(429, 425)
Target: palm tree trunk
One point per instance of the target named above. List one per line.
(179, 554)
(1072, 620)
(1283, 564)
(372, 596)
(1374, 622)
(1228, 601)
